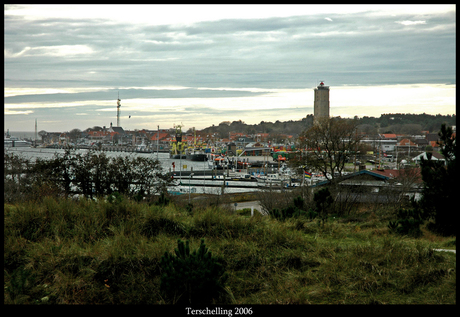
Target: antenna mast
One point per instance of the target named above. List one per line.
(118, 109)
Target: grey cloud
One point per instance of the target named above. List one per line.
(271, 53)
(129, 94)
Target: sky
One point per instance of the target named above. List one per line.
(199, 65)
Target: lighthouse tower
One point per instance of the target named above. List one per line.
(321, 104)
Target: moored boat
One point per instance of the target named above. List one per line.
(196, 155)
(177, 146)
(11, 141)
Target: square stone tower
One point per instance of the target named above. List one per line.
(321, 104)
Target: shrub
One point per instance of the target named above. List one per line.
(312, 214)
(295, 210)
(323, 201)
(440, 187)
(163, 200)
(20, 284)
(191, 278)
(408, 223)
(154, 225)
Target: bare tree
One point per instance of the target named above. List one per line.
(75, 134)
(405, 184)
(42, 134)
(327, 146)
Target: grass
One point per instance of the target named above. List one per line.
(86, 252)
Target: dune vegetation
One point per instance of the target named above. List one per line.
(64, 251)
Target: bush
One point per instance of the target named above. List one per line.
(91, 174)
(191, 278)
(408, 223)
(295, 210)
(154, 225)
(440, 185)
(323, 201)
(312, 214)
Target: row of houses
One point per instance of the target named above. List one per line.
(112, 135)
(151, 138)
(387, 143)
(390, 185)
(401, 142)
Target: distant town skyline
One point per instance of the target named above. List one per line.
(198, 65)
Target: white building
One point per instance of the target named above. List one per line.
(435, 156)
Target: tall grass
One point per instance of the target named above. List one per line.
(61, 251)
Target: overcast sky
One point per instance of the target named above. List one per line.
(200, 65)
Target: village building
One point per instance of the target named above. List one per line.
(406, 145)
(435, 156)
(422, 143)
(378, 186)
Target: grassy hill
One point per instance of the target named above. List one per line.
(86, 252)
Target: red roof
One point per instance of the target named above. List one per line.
(162, 136)
(389, 135)
(98, 133)
(434, 143)
(406, 142)
(263, 135)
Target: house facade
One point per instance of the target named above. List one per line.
(378, 186)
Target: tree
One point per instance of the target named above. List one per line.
(91, 174)
(439, 192)
(323, 200)
(328, 143)
(74, 134)
(192, 278)
(42, 134)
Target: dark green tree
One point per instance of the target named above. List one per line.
(408, 221)
(323, 200)
(440, 185)
(192, 278)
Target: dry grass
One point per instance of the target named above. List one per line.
(86, 252)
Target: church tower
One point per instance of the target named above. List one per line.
(321, 104)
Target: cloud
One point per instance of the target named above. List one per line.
(411, 22)
(226, 52)
(15, 112)
(54, 57)
(52, 51)
(130, 93)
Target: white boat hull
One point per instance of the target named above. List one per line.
(17, 143)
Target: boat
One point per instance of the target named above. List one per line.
(241, 176)
(284, 178)
(142, 148)
(177, 146)
(182, 189)
(11, 141)
(243, 165)
(216, 162)
(273, 179)
(277, 180)
(16, 143)
(219, 162)
(196, 154)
